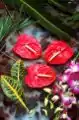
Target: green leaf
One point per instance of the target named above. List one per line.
(46, 101)
(12, 3)
(5, 26)
(58, 109)
(18, 71)
(12, 86)
(73, 18)
(57, 116)
(11, 89)
(36, 10)
(51, 105)
(58, 5)
(22, 23)
(55, 24)
(45, 112)
(25, 23)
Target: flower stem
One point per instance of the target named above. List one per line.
(77, 56)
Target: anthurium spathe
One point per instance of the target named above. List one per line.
(40, 75)
(58, 52)
(27, 47)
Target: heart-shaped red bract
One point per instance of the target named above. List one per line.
(27, 47)
(58, 52)
(40, 75)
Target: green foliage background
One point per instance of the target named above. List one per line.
(51, 14)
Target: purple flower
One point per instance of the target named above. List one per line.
(68, 118)
(65, 116)
(67, 101)
(71, 76)
(73, 82)
(73, 67)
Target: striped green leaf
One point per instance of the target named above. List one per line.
(11, 89)
(18, 71)
(12, 86)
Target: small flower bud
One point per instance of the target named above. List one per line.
(55, 98)
(64, 116)
(48, 90)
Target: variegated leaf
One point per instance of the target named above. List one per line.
(17, 70)
(12, 89)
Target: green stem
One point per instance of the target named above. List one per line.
(76, 57)
(21, 9)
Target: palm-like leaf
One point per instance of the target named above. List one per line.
(5, 26)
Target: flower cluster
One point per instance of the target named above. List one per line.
(41, 75)
(66, 86)
(71, 77)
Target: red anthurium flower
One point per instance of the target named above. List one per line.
(58, 52)
(27, 47)
(40, 75)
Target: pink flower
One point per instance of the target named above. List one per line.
(73, 82)
(67, 101)
(71, 76)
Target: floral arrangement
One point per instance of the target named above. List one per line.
(39, 68)
(60, 90)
